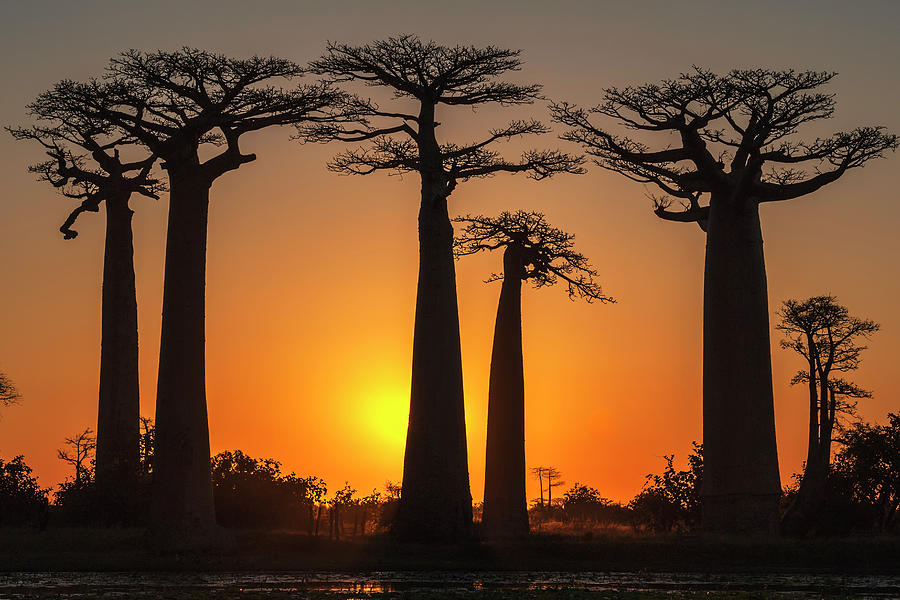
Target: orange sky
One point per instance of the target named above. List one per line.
(311, 276)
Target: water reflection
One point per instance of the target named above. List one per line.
(365, 585)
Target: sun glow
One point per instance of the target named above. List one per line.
(384, 412)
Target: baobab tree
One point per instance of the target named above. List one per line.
(732, 137)
(175, 104)
(85, 163)
(79, 455)
(534, 252)
(828, 337)
(436, 503)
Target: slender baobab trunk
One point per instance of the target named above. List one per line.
(505, 505)
(118, 419)
(183, 512)
(541, 484)
(801, 515)
(741, 483)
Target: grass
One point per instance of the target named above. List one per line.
(82, 549)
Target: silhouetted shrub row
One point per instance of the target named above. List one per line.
(863, 495)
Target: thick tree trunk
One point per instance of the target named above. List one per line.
(436, 504)
(505, 504)
(741, 483)
(182, 513)
(118, 419)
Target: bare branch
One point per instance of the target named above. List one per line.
(547, 254)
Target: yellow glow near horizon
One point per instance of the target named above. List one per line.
(383, 414)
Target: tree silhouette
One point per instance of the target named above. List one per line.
(436, 501)
(175, 104)
(825, 334)
(85, 163)
(8, 392)
(732, 137)
(539, 473)
(869, 465)
(554, 479)
(79, 455)
(535, 252)
(22, 499)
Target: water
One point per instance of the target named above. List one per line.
(84, 586)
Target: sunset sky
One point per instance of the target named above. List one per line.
(311, 276)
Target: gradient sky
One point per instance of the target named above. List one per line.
(311, 276)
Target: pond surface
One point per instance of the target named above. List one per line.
(397, 584)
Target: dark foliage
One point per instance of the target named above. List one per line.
(671, 500)
(548, 254)
(253, 493)
(867, 474)
(8, 392)
(22, 500)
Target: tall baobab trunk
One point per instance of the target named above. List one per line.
(118, 419)
(741, 483)
(436, 503)
(505, 504)
(183, 510)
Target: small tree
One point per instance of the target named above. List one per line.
(436, 502)
(341, 501)
(148, 432)
(583, 503)
(554, 480)
(8, 392)
(315, 490)
(86, 164)
(828, 338)
(539, 473)
(869, 465)
(732, 137)
(77, 500)
(543, 255)
(672, 499)
(22, 499)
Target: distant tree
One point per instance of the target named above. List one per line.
(148, 432)
(436, 502)
(390, 504)
(182, 105)
(672, 499)
(554, 479)
(86, 164)
(825, 334)
(80, 455)
(534, 252)
(315, 490)
(341, 501)
(22, 499)
(253, 493)
(539, 473)
(732, 137)
(8, 392)
(367, 507)
(868, 466)
(583, 503)
(77, 500)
